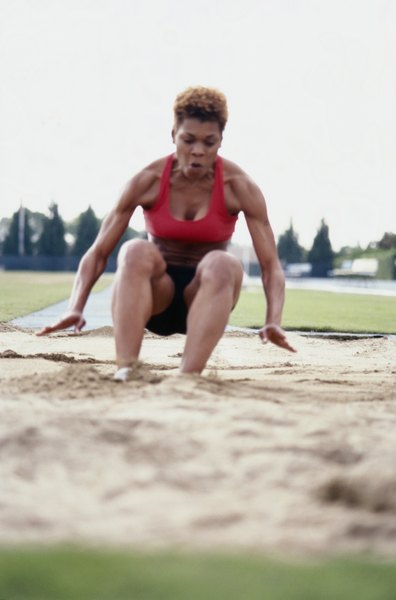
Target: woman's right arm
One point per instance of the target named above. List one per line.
(94, 261)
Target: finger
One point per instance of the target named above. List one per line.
(263, 337)
(285, 344)
(44, 331)
(79, 326)
(290, 348)
(54, 327)
(49, 329)
(280, 340)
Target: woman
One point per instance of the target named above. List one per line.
(182, 279)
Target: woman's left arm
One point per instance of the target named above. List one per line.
(253, 205)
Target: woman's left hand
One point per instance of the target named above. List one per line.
(275, 334)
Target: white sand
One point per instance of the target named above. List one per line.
(288, 453)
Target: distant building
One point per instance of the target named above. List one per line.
(297, 269)
(248, 258)
(359, 267)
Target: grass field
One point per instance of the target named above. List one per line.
(26, 292)
(23, 292)
(67, 574)
(322, 311)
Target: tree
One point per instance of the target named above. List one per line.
(52, 239)
(321, 254)
(387, 241)
(37, 220)
(18, 240)
(5, 223)
(289, 249)
(87, 230)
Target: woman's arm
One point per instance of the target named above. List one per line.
(252, 203)
(94, 261)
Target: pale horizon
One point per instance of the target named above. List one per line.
(88, 88)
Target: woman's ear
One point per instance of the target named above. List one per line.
(173, 134)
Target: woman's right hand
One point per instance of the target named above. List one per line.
(69, 319)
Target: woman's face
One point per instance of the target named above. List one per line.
(197, 143)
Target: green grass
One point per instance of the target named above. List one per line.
(321, 311)
(23, 292)
(70, 574)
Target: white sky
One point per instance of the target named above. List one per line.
(87, 88)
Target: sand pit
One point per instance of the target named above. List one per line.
(266, 451)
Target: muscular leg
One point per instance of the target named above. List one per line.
(211, 296)
(142, 288)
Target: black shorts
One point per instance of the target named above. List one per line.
(174, 318)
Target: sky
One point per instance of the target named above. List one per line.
(87, 89)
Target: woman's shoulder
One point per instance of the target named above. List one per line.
(231, 169)
(149, 175)
(155, 168)
(235, 176)
(241, 192)
(143, 187)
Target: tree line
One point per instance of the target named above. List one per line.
(30, 233)
(321, 255)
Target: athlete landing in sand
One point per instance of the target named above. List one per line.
(182, 279)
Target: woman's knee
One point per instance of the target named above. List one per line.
(222, 268)
(140, 254)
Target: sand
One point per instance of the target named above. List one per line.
(267, 451)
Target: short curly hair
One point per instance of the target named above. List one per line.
(203, 103)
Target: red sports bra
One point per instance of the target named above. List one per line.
(216, 226)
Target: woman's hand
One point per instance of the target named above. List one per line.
(275, 334)
(69, 319)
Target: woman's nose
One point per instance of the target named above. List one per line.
(198, 149)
